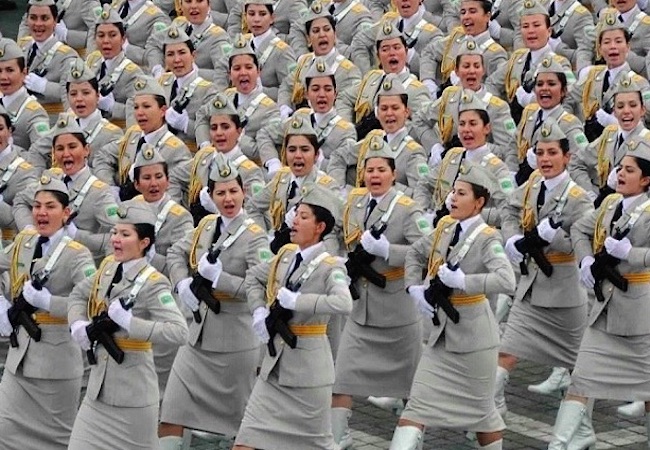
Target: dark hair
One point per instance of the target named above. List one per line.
(626, 34)
(330, 19)
(403, 97)
(136, 171)
(268, 7)
(480, 192)
(637, 92)
(486, 5)
(93, 83)
(561, 76)
(8, 122)
(483, 115)
(211, 184)
(146, 230)
(60, 197)
(313, 140)
(80, 137)
(189, 43)
(53, 9)
(119, 26)
(565, 146)
(234, 117)
(325, 216)
(331, 77)
(21, 63)
(547, 20)
(389, 161)
(401, 38)
(458, 58)
(255, 61)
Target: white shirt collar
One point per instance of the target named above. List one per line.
(9, 99)
(535, 55)
(467, 223)
(86, 121)
(40, 45)
(150, 137)
(627, 201)
(547, 112)
(318, 117)
(632, 12)
(54, 238)
(128, 265)
(230, 155)
(74, 176)
(257, 40)
(184, 79)
(414, 19)
(391, 136)
(552, 183)
(477, 154)
(613, 72)
(307, 252)
(378, 199)
(226, 221)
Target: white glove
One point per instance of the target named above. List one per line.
(495, 29)
(71, 229)
(432, 87)
(452, 278)
(259, 323)
(151, 253)
(436, 155)
(273, 165)
(61, 31)
(119, 315)
(455, 79)
(586, 277)
(180, 121)
(511, 251)
(79, 334)
(612, 178)
(206, 201)
(289, 216)
(39, 299)
(35, 83)
(554, 42)
(186, 294)
(157, 70)
(531, 158)
(523, 97)
(285, 111)
(604, 118)
(618, 248)
(287, 298)
(209, 271)
(377, 247)
(125, 45)
(546, 231)
(416, 292)
(106, 103)
(5, 326)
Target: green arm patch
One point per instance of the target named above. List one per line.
(256, 188)
(89, 270)
(646, 96)
(498, 250)
(424, 226)
(111, 210)
(510, 126)
(506, 185)
(339, 277)
(581, 139)
(292, 67)
(166, 298)
(42, 128)
(264, 254)
(423, 170)
(159, 26)
(226, 48)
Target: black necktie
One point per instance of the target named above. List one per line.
(189, 30)
(217, 230)
(102, 71)
(67, 180)
(619, 142)
(253, 45)
(618, 212)
(295, 267)
(541, 197)
(312, 118)
(551, 10)
(538, 122)
(116, 279)
(529, 60)
(38, 250)
(332, 9)
(605, 84)
(174, 91)
(235, 101)
(141, 142)
(32, 55)
(371, 207)
(620, 18)
(292, 190)
(455, 239)
(125, 10)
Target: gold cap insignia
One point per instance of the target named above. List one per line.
(465, 98)
(388, 28)
(2, 52)
(375, 144)
(296, 123)
(626, 82)
(172, 33)
(218, 104)
(463, 169)
(529, 4)
(320, 66)
(316, 7)
(546, 62)
(471, 45)
(105, 14)
(45, 179)
(121, 212)
(546, 132)
(224, 171)
(62, 123)
(388, 85)
(76, 73)
(140, 84)
(148, 153)
(610, 20)
(241, 42)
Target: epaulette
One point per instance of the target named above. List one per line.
(413, 145)
(155, 276)
(576, 192)
(568, 117)
(165, 77)
(358, 192)
(56, 171)
(496, 101)
(346, 64)
(139, 198)
(75, 245)
(646, 20)
(519, 53)
(495, 160)
(325, 180)
(99, 184)
(581, 10)
(174, 142)
(33, 105)
(24, 40)
(151, 10)
(204, 83)
(281, 45)
(267, 101)
(489, 230)
(25, 165)
(445, 221)
(344, 124)
(216, 30)
(405, 200)
(331, 260)
(531, 107)
(416, 83)
(177, 210)
(28, 232)
(429, 27)
(132, 129)
(92, 57)
(130, 67)
(203, 222)
(230, 91)
(111, 127)
(283, 170)
(359, 8)
(494, 47)
(255, 228)
(248, 165)
(289, 247)
(611, 128)
(64, 48)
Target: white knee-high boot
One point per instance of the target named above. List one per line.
(340, 428)
(569, 419)
(407, 438)
(585, 436)
(171, 443)
(502, 378)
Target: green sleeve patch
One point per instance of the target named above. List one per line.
(570, 78)
(166, 298)
(111, 210)
(646, 96)
(424, 226)
(510, 126)
(256, 188)
(292, 67)
(264, 254)
(89, 270)
(498, 250)
(42, 128)
(339, 277)
(506, 184)
(423, 170)
(159, 26)
(226, 48)
(581, 139)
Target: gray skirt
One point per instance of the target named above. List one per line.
(377, 361)
(37, 414)
(208, 391)
(163, 358)
(548, 336)
(455, 390)
(287, 418)
(103, 427)
(612, 367)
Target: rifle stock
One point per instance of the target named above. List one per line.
(202, 288)
(20, 314)
(358, 265)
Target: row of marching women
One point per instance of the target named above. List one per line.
(235, 217)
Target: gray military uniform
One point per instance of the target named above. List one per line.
(28, 117)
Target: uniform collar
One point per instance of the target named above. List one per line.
(552, 183)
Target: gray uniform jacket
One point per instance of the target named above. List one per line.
(443, 14)
(284, 10)
(14, 179)
(28, 117)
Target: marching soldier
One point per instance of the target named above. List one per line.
(283, 13)
(442, 14)
(350, 17)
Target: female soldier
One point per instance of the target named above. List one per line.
(213, 376)
(380, 346)
(474, 127)
(138, 301)
(115, 72)
(612, 361)
(93, 208)
(254, 106)
(284, 15)
(189, 181)
(550, 311)
(465, 257)
(304, 284)
(42, 377)
(392, 111)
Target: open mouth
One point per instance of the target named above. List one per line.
(393, 63)
(244, 83)
(42, 223)
(142, 122)
(68, 164)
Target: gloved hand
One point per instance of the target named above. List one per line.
(61, 31)
(209, 271)
(79, 334)
(35, 83)
(511, 251)
(106, 102)
(546, 230)
(604, 118)
(452, 278)
(39, 299)
(554, 42)
(273, 165)
(377, 247)
(5, 325)
(206, 200)
(285, 112)
(432, 87)
(531, 158)
(586, 277)
(288, 298)
(495, 29)
(186, 294)
(150, 253)
(289, 216)
(259, 323)
(612, 178)
(436, 155)
(523, 97)
(119, 315)
(416, 292)
(71, 229)
(177, 120)
(455, 79)
(157, 70)
(618, 248)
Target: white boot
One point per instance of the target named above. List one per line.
(340, 429)
(407, 438)
(500, 390)
(171, 443)
(559, 380)
(504, 303)
(631, 410)
(569, 419)
(585, 436)
(392, 404)
(496, 445)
